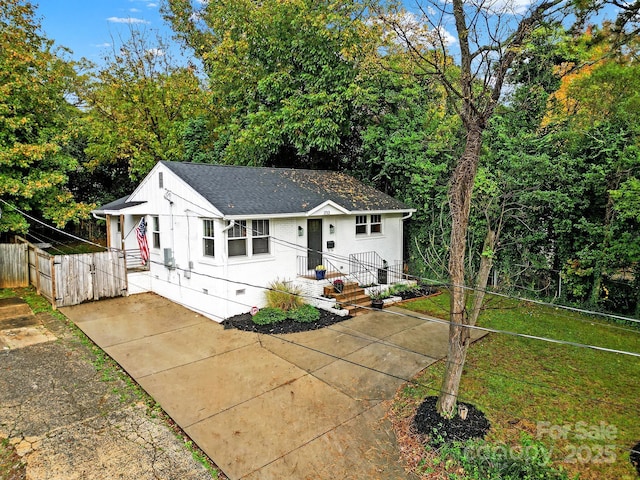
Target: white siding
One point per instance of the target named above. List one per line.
(221, 287)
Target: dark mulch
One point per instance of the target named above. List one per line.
(244, 322)
(442, 430)
(420, 291)
(634, 456)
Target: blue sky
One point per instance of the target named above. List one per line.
(90, 27)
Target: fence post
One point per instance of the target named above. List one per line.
(122, 254)
(53, 282)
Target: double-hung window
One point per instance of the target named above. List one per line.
(208, 244)
(376, 224)
(238, 239)
(361, 224)
(155, 231)
(260, 236)
(368, 224)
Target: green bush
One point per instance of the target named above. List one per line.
(305, 314)
(281, 294)
(268, 315)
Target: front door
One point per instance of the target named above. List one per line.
(314, 243)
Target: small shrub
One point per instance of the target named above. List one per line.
(305, 314)
(283, 295)
(268, 316)
(482, 460)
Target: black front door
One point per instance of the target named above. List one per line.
(314, 243)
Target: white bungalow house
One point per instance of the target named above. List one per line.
(218, 234)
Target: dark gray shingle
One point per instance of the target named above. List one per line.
(236, 190)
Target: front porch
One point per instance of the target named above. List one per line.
(368, 275)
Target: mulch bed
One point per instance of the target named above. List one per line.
(442, 430)
(421, 291)
(244, 322)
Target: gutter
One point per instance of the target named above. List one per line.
(408, 216)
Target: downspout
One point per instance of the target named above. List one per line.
(228, 227)
(226, 263)
(406, 217)
(98, 217)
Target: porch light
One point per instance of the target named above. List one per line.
(300, 231)
(332, 229)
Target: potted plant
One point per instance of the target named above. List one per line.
(338, 286)
(320, 272)
(377, 299)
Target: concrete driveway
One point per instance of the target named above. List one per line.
(299, 406)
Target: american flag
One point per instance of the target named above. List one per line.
(141, 235)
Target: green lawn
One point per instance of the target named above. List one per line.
(556, 393)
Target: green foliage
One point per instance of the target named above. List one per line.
(283, 295)
(305, 314)
(36, 121)
(282, 73)
(141, 108)
(269, 315)
(482, 460)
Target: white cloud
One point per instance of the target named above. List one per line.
(102, 45)
(134, 10)
(126, 20)
(497, 7)
(156, 52)
(447, 38)
(413, 29)
(152, 5)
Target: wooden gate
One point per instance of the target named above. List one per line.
(66, 280)
(89, 276)
(13, 265)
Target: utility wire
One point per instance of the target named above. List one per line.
(357, 335)
(404, 379)
(446, 322)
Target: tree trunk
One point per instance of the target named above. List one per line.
(460, 203)
(486, 262)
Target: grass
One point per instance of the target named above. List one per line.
(581, 403)
(126, 388)
(11, 466)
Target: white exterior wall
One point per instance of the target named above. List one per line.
(222, 286)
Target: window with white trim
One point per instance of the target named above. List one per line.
(208, 243)
(238, 239)
(361, 224)
(376, 224)
(155, 231)
(260, 236)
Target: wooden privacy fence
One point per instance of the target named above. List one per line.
(66, 280)
(14, 271)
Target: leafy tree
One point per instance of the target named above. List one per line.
(598, 109)
(35, 120)
(138, 107)
(283, 75)
(491, 40)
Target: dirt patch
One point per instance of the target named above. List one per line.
(66, 414)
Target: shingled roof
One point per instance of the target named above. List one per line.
(116, 205)
(237, 190)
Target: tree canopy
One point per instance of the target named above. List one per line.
(37, 120)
